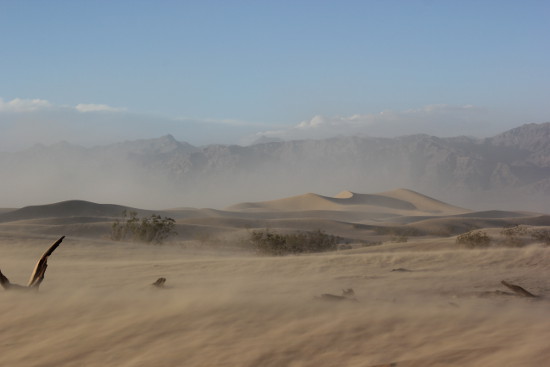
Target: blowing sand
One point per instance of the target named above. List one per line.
(96, 307)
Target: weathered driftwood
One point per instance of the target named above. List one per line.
(37, 275)
(159, 283)
(518, 290)
(347, 295)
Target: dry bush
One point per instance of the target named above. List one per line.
(541, 235)
(474, 239)
(399, 239)
(513, 235)
(267, 242)
(519, 235)
(153, 229)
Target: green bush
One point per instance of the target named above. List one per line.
(153, 229)
(474, 239)
(267, 242)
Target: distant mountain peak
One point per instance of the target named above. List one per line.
(169, 138)
(161, 145)
(266, 140)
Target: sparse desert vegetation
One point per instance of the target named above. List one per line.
(541, 235)
(509, 236)
(513, 236)
(268, 242)
(153, 229)
(474, 239)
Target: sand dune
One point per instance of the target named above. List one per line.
(69, 208)
(6, 210)
(399, 201)
(423, 202)
(496, 214)
(308, 201)
(87, 209)
(351, 198)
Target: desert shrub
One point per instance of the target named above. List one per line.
(474, 239)
(153, 229)
(512, 235)
(344, 246)
(514, 230)
(371, 243)
(271, 243)
(399, 239)
(541, 235)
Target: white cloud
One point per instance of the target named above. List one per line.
(24, 123)
(82, 107)
(23, 105)
(440, 120)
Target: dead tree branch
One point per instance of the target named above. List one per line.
(38, 273)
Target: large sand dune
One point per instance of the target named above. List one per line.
(397, 201)
(424, 302)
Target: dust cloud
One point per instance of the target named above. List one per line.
(504, 172)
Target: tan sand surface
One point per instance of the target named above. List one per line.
(423, 302)
(96, 306)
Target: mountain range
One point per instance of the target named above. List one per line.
(508, 171)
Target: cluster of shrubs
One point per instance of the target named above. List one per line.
(267, 242)
(154, 229)
(541, 235)
(474, 239)
(399, 239)
(511, 236)
(514, 235)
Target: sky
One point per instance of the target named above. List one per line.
(231, 72)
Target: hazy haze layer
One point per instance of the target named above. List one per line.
(509, 171)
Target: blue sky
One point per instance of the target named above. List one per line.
(93, 72)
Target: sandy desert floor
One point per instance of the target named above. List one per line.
(96, 307)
